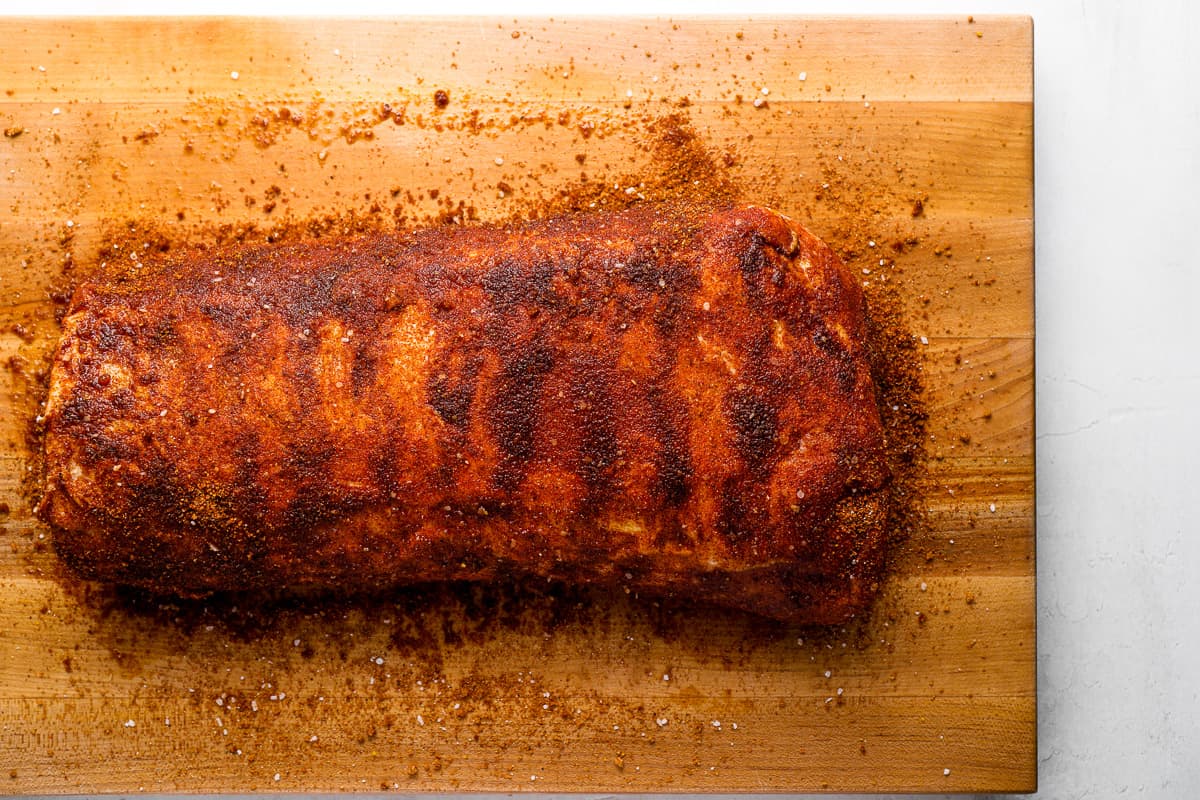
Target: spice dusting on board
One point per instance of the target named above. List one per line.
(271, 659)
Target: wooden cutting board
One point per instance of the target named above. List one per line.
(180, 124)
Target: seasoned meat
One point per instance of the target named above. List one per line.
(670, 399)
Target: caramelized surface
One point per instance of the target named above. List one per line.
(671, 399)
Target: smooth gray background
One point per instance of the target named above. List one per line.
(1117, 115)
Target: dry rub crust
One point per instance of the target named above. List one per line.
(671, 399)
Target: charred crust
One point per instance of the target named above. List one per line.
(578, 398)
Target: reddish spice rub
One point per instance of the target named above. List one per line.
(669, 398)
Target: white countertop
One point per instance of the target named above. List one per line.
(1117, 126)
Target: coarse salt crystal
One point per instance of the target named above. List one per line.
(992, 507)
(828, 673)
(662, 722)
(716, 723)
(765, 90)
(924, 340)
(803, 76)
(946, 771)
(276, 776)
(235, 76)
(130, 724)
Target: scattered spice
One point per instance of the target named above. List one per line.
(422, 629)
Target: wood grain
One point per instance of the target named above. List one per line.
(113, 122)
